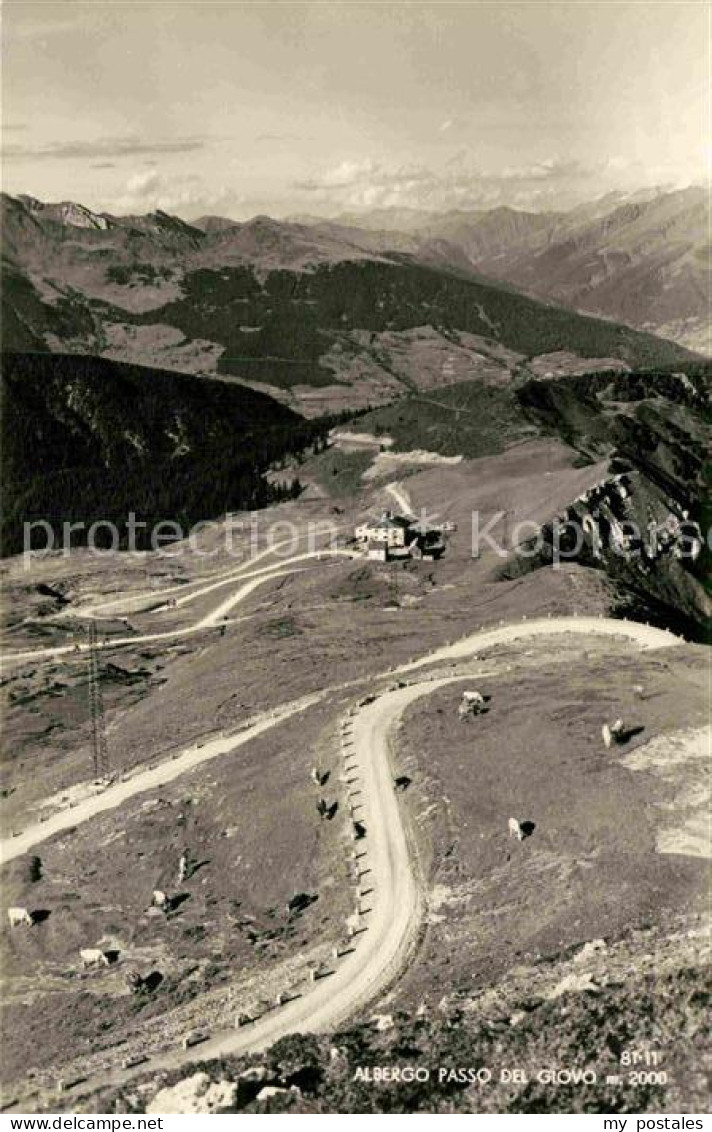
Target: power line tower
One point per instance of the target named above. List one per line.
(508, 516)
(96, 701)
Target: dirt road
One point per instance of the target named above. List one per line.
(397, 491)
(209, 621)
(180, 762)
(392, 908)
(645, 636)
(188, 591)
(113, 796)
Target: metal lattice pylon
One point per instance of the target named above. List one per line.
(99, 745)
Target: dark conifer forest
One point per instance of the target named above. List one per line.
(87, 439)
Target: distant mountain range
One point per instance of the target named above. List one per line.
(327, 315)
(644, 260)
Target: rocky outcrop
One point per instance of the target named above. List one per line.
(196, 1094)
(643, 524)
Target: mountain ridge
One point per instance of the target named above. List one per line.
(325, 318)
(643, 260)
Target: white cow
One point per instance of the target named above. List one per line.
(182, 867)
(160, 900)
(515, 829)
(472, 703)
(613, 733)
(18, 916)
(93, 957)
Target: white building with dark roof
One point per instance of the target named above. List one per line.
(391, 529)
(395, 536)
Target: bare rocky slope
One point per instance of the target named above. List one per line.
(655, 431)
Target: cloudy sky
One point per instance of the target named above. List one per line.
(242, 108)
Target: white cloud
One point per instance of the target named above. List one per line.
(185, 194)
(110, 147)
(347, 174)
(144, 184)
(550, 183)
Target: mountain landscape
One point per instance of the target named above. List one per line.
(642, 260)
(355, 391)
(240, 381)
(327, 317)
(257, 841)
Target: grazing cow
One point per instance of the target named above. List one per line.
(183, 866)
(472, 703)
(515, 829)
(18, 916)
(327, 811)
(613, 733)
(159, 900)
(93, 957)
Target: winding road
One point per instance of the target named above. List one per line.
(211, 620)
(189, 591)
(392, 909)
